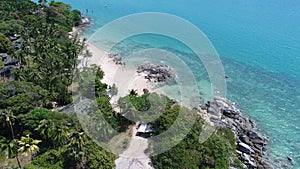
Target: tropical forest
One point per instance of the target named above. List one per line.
(39, 56)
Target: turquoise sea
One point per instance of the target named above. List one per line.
(259, 45)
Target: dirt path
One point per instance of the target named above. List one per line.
(134, 157)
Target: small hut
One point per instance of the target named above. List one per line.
(145, 129)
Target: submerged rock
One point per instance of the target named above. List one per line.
(283, 163)
(289, 158)
(156, 73)
(117, 58)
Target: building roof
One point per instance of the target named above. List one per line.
(145, 128)
(16, 46)
(3, 56)
(142, 127)
(11, 61)
(6, 70)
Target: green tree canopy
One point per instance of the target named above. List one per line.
(5, 44)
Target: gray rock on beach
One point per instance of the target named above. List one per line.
(156, 73)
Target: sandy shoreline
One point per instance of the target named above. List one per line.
(124, 78)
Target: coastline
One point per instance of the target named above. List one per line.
(252, 146)
(267, 96)
(124, 78)
(258, 113)
(253, 151)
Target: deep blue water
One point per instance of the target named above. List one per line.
(259, 44)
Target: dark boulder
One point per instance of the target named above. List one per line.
(245, 148)
(258, 141)
(245, 139)
(212, 111)
(255, 135)
(157, 73)
(289, 159)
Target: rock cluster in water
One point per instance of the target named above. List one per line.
(251, 145)
(156, 73)
(117, 58)
(84, 20)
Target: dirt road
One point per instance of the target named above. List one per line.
(134, 157)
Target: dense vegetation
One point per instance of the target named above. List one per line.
(47, 58)
(146, 107)
(33, 136)
(89, 79)
(217, 152)
(47, 55)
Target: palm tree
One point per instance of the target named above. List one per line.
(78, 139)
(19, 75)
(77, 75)
(76, 149)
(28, 145)
(87, 54)
(9, 147)
(10, 118)
(57, 133)
(46, 128)
(100, 127)
(133, 92)
(127, 108)
(60, 134)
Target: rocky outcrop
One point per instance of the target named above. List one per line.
(117, 58)
(10, 64)
(84, 20)
(251, 145)
(156, 73)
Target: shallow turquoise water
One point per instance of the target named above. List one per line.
(259, 45)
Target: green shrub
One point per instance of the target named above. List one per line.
(5, 44)
(52, 159)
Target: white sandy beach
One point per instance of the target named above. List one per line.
(124, 78)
